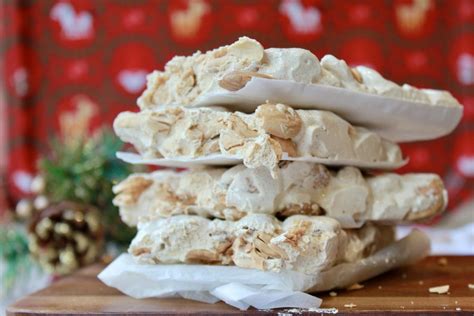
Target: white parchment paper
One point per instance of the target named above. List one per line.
(394, 119)
(229, 160)
(243, 288)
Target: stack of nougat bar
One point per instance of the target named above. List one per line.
(278, 209)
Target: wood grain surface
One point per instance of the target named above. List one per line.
(401, 291)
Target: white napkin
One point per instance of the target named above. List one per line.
(243, 288)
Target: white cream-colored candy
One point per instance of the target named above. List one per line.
(185, 79)
(301, 188)
(379, 84)
(295, 64)
(307, 244)
(342, 72)
(259, 139)
(439, 97)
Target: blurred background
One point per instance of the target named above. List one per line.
(68, 67)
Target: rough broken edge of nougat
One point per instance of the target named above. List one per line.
(228, 68)
(260, 139)
(307, 244)
(301, 188)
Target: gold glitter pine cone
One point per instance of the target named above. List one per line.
(66, 236)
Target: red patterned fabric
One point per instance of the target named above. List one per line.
(57, 53)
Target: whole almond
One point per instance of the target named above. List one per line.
(231, 141)
(129, 191)
(237, 125)
(287, 146)
(279, 120)
(356, 74)
(202, 256)
(236, 80)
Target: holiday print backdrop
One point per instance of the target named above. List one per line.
(57, 54)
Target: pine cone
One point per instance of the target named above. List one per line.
(66, 236)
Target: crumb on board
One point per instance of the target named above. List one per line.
(442, 289)
(291, 312)
(458, 308)
(421, 282)
(404, 276)
(332, 293)
(330, 310)
(350, 305)
(355, 286)
(412, 303)
(299, 311)
(379, 287)
(106, 259)
(443, 261)
(470, 286)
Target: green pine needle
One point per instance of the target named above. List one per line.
(85, 172)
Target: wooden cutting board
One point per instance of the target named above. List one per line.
(401, 291)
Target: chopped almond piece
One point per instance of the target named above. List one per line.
(442, 289)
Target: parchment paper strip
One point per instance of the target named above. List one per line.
(228, 160)
(248, 287)
(394, 119)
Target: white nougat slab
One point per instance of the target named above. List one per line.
(243, 288)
